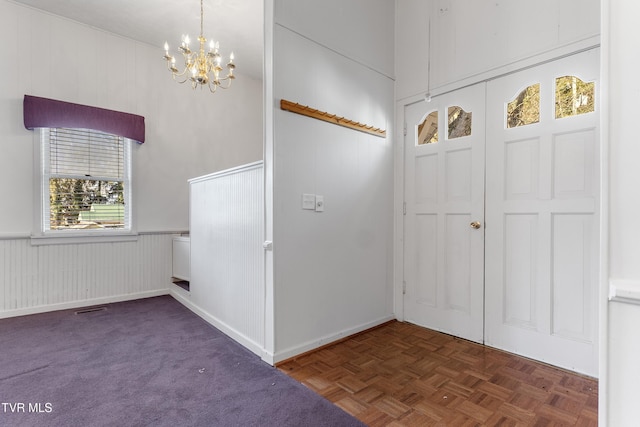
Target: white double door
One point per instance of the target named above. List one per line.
(501, 226)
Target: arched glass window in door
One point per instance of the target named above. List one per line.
(428, 129)
(459, 122)
(525, 108)
(574, 97)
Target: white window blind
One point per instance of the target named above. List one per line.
(85, 180)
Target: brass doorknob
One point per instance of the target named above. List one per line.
(475, 224)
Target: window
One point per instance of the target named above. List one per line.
(84, 187)
(525, 108)
(428, 129)
(459, 122)
(85, 182)
(574, 97)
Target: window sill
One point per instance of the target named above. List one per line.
(76, 239)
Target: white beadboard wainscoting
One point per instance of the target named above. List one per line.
(227, 286)
(35, 279)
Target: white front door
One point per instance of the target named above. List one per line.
(542, 196)
(444, 221)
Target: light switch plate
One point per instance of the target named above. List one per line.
(319, 203)
(309, 201)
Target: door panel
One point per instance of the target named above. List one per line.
(444, 192)
(542, 219)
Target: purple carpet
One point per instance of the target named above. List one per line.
(144, 363)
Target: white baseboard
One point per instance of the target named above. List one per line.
(184, 298)
(81, 303)
(291, 352)
(271, 358)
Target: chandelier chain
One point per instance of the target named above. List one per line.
(201, 18)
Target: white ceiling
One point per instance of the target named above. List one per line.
(236, 24)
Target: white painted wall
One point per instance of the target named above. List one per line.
(358, 29)
(332, 270)
(621, 67)
(446, 44)
(189, 133)
(227, 256)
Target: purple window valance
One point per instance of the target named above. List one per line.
(49, 113)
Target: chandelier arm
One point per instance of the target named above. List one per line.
(228, 79)
(182, 81)
(180, 74)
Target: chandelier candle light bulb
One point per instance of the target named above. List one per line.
(201, 69)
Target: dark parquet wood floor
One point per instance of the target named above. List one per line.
(400, 374)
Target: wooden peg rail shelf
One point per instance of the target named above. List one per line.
(330, 118)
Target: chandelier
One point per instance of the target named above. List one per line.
(201, 68)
